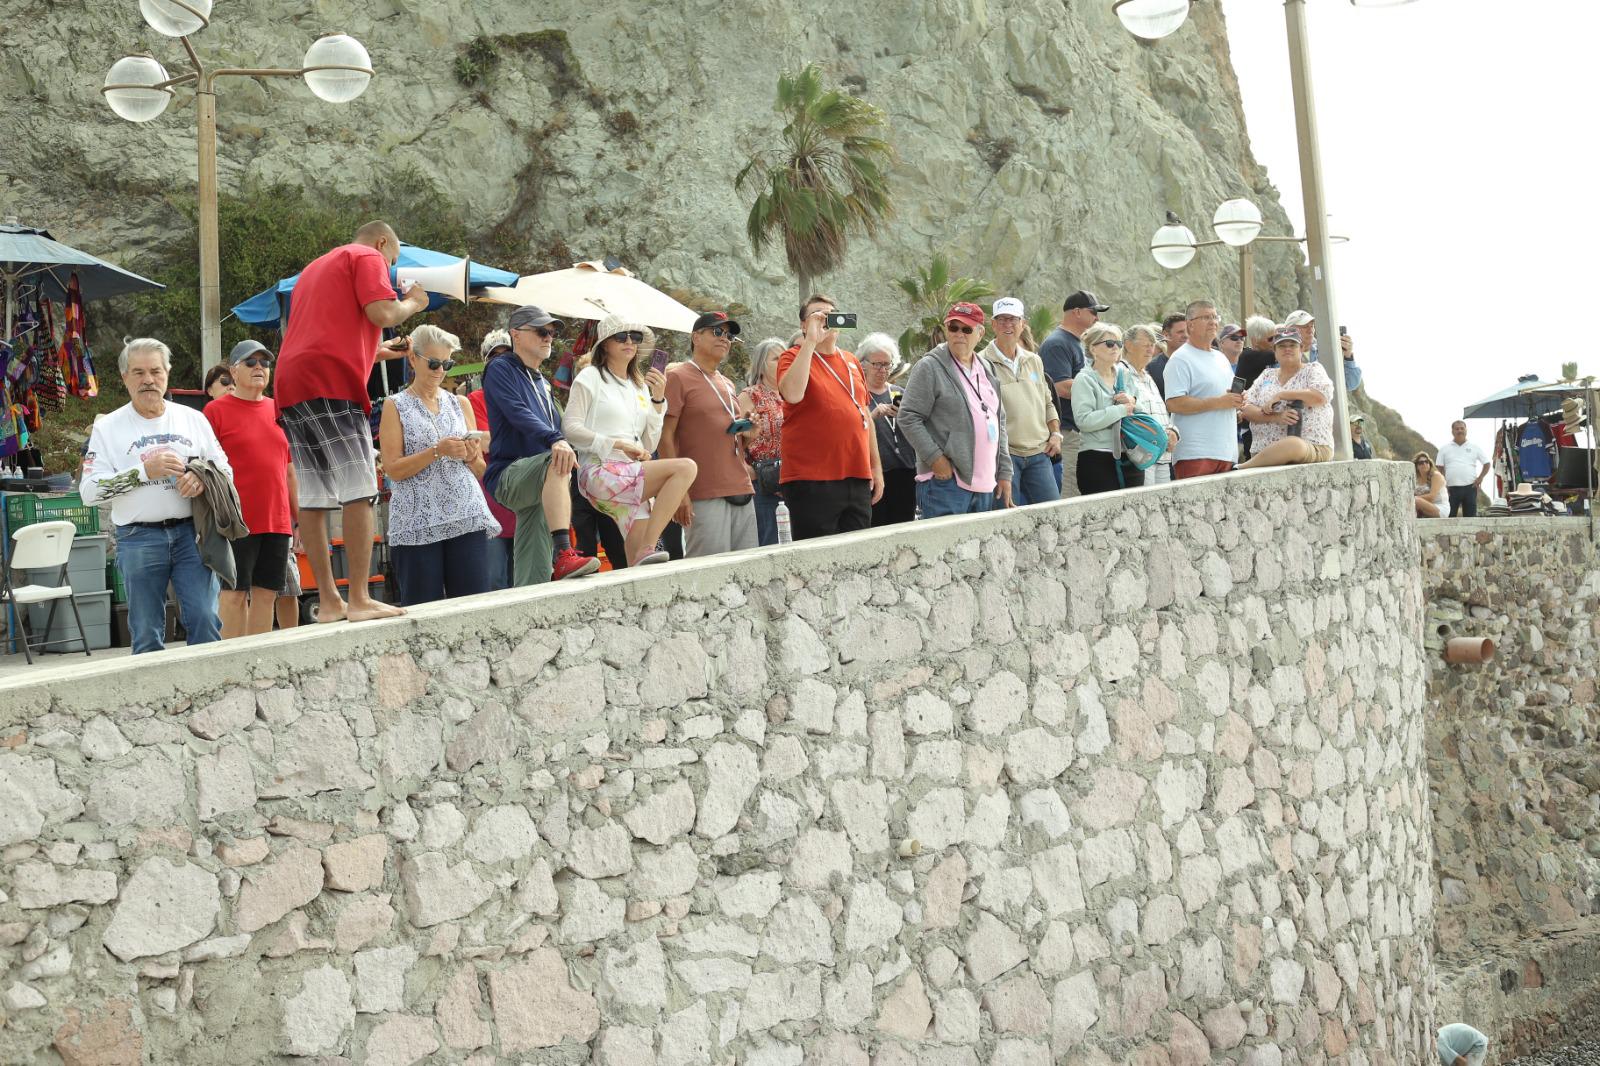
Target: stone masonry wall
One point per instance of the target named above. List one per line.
(1516, 790)
(1135, 779)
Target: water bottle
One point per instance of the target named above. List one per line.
(785, 536)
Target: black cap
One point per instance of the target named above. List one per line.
(1086, 300)
(530, 317)
(716, 318)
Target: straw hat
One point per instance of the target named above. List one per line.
(611, 325)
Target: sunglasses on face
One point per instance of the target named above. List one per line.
(255, 361)
(225, 382)
(544, 331)
(958, 327)
(440, 364)
(1110, 343)
(631, 336)
(721, 331)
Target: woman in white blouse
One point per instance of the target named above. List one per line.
(1288, 409)
(613, 419)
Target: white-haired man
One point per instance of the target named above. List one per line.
(138, 462)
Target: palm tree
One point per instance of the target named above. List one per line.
(828, 180)
(932, 292)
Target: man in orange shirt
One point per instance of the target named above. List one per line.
(831, 474)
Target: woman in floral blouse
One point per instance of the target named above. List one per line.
(762, 405)
(1289, 409)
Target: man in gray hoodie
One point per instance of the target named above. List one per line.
(952, 417)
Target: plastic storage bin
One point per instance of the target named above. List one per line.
(95, 610)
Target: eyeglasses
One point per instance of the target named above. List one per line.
(878, 366)
(722, 331)
(256, 360)
(957, 327)
(440, 364)
(225, 382)
(1111, 342)
(544, 331)
(632, 336)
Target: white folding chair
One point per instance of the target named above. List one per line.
(42, 546)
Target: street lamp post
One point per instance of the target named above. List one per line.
(1237, 224)
(336, 68)
(1155, 19)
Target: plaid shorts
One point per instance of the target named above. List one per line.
(330, 444)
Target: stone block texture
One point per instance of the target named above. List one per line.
(1117, 780)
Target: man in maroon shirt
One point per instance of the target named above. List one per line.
(342, 302)
(245, 421)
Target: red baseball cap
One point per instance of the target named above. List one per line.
(971, 314)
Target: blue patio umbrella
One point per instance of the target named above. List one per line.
(31, 257)
(271, 306)
(1518, 401)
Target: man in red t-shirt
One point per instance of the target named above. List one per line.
(342, 302)
(831, 474)
(245, 421)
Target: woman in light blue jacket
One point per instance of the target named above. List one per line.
(1102, 395)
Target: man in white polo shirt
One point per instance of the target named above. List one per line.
(1459, 459)
(137, 459)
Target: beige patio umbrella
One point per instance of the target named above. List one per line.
(589, 290)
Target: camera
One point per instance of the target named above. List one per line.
(840, 320)
(739, 425)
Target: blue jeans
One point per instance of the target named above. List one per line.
(938, 498)
(766, 519)
(499, 563)
(150, 557)
(1033, 479)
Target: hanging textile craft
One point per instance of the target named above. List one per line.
(74, 357)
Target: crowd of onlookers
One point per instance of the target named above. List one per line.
(648, 460)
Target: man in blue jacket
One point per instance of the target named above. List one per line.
(529, 462)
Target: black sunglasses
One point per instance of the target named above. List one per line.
(544, 331)
(256, 360)
(957, 327)
(722, 331)
(440, 364)
(627, 335)
(1110, 342)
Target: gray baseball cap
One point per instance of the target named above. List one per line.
(245, 349)
(530, 317)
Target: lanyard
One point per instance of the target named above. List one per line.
(725, 404)
(534, 382)
(972, 384)
(850, 388)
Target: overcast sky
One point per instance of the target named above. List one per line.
(1456, 135)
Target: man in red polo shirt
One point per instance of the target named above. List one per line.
(831, 474)
(342, 303)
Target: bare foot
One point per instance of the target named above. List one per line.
(367, 610)
(330, 610)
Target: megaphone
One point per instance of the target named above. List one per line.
(448, 280)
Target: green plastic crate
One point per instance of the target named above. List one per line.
(24, 509)
(119, 591)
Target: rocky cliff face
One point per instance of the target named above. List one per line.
(1039, 143)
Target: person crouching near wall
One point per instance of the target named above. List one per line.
(1289, 409)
